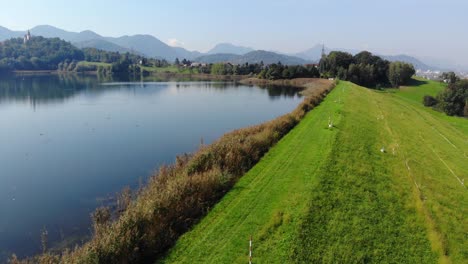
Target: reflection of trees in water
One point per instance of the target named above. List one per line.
(51, 88)
(274, 91)
(207, 84)
(39, 89)
(277, 91)
(42, 89)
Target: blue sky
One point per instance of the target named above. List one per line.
(428, 29)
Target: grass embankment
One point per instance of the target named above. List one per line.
(331, 196)
(179, 195)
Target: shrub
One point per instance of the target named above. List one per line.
(454, 97)
(429, 101)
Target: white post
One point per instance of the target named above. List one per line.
(250, 250)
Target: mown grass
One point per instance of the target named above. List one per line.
(331, 196)
(435, 146)
(361, 212)
(418, 88)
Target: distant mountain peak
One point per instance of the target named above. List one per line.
(229, 48)
(47, 26)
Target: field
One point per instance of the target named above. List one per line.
(170, 69)
(384, 185)
(88, 63)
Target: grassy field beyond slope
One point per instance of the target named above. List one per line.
(332, 196)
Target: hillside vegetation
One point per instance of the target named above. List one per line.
(384, 185)
(36, 54)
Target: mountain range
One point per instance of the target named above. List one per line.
(150, 46)
(143, 44)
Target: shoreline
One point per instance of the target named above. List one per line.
(158, 74)
(242, 79)
(297, 82)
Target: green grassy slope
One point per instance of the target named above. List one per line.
(418, 88)
(331, 196)
(414, 95)
(435, 148)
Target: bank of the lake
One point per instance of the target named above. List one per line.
(179, 195)
(180, 76)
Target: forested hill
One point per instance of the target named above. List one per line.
(38, 53)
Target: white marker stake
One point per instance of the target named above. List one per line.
(250, 250)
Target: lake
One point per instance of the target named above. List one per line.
(69, 143)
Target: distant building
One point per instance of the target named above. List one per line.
(27, 37)
(312, 65)
(197, 64)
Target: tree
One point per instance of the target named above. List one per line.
(400, 73)
(450, 77)
(337, 59)
(363, 68)
(177, 62)
(218, 69)
(453, 98)
(123, 66)
(465, 109)
(365, 57)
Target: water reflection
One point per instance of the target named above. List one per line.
(56, 88)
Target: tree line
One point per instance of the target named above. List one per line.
(271, 72)
(365, 69)
(279, 71)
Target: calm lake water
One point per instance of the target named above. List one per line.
(68, 143)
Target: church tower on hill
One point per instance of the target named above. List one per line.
(27, 37)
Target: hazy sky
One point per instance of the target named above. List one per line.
(430, 28)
